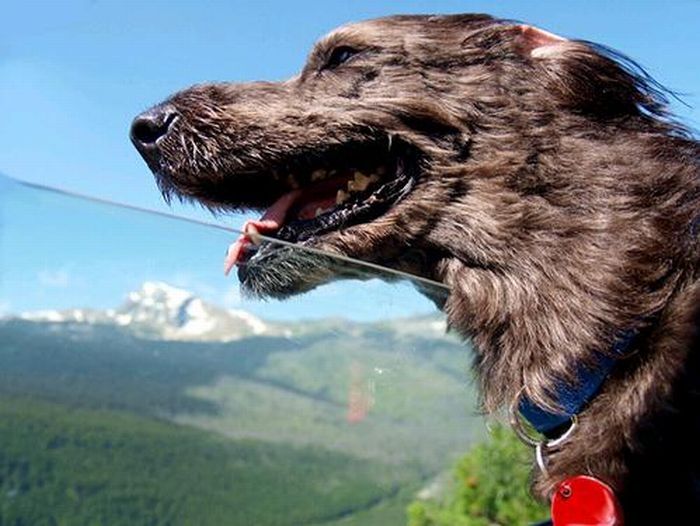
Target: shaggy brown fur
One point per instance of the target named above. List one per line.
(544, 183)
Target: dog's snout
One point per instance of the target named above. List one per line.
(151, 125)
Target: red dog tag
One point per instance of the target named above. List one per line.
(585, 501)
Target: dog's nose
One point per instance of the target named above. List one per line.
(151, 125)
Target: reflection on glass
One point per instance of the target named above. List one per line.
(137, 386)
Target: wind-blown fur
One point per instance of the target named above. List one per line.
(555, 197)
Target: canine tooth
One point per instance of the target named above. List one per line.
(318, 212)
(341, 197)
(317, 175)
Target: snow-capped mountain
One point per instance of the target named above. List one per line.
(160, 311)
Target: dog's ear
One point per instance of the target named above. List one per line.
(582, 76)
(538, 43)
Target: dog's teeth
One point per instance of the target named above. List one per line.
(360, 182)
(341, 197)
(317, 175)
(318, 212)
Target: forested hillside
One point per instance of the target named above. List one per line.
(340, 424)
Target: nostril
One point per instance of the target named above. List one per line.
(150, 126)
(146, 131)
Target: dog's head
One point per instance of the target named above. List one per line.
(399, 133)
(493, 156)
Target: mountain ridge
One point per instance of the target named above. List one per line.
(160, 311)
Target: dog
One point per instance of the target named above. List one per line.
(542, 179)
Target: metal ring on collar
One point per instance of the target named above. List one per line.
(530, 439)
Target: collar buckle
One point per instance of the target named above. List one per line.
(540, 442)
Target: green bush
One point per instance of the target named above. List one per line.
(490, 487)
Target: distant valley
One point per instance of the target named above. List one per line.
(117, 404)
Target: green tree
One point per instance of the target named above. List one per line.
(491, 487)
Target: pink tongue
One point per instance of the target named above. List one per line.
(271, 221)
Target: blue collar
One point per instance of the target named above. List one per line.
(573, 398)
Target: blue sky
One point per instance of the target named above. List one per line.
(74, 73)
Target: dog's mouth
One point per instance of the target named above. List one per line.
(326, 193)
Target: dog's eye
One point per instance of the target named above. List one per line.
(338, 56)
